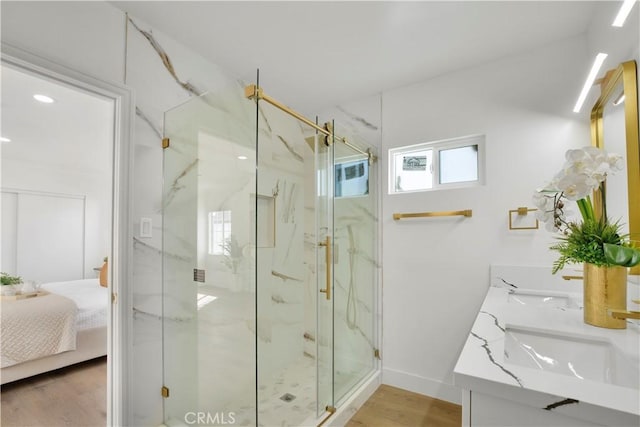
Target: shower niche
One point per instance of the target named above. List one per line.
(270, 272)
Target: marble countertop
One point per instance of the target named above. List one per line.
(483, 367)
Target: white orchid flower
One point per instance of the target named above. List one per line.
(575, 187)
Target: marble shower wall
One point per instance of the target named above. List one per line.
(164, 74)
(283, 268)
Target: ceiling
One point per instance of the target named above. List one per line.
(73, 133)
(313, 55)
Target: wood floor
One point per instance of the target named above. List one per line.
(394, 407)
(75, 396)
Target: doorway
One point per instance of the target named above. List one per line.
(64, 162)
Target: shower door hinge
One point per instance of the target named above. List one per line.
(114, 298)
(376, 354)
(164, 391)
(165, 143)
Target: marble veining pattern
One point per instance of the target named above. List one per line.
(177, 184)
(295, 155)
(485, 346)
(495, 319)
(358, 119)
(562, 402)
(166, 61)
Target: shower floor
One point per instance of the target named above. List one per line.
(224, 383)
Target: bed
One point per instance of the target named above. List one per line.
(68, 325)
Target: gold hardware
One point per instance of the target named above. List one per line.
(254, 92)
(331, 410)
(165, 143)
(522, 211)
(605, 291)
(625, 314)
(467, 213)
(114, 298)
(328, 262)
(328, 140)
(376, 354)
(624, 75)
(164, 391)
(572, 277)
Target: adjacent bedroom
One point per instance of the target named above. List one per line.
(56, 169)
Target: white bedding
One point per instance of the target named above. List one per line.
(91, 298)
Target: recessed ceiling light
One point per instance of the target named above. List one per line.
(625, 9)
(242, 157)
(3, 139)
(595, 69)
(43, 98)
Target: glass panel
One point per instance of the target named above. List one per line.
(355, 272)
(325, 169)
(286, 269)
(413, 170)
(459, 164)
(209, 350)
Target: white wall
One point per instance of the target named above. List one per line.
(96, 187)
(436, 271)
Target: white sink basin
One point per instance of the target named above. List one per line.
(585, 358)
(541, 298)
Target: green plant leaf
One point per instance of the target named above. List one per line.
(621, 255)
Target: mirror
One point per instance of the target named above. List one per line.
(614, 126)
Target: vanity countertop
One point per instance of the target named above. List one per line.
(483, 365)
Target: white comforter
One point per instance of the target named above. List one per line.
(91, 298)
(37, 327)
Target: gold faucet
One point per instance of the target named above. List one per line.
(625, 314)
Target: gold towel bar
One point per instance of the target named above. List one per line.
(466, 212)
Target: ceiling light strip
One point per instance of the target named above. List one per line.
(595, 69)
(625, 9)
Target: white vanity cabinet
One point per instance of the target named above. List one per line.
(483, 410)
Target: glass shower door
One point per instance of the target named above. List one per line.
(324, 149)
(208, 258)
(355, 268)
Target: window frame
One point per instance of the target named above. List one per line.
(211, 243)
(436, 147)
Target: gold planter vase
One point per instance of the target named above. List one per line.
(604, 288)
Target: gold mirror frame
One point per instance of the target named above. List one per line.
(625, 73)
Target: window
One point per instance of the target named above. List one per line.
(438, 165)
(219, 232)
(352, 178)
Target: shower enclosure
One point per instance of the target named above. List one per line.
(269, 263)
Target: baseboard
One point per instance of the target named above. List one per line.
(422, 385)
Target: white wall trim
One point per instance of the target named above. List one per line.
(422, 385)
(119, 337)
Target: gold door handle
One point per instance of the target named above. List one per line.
(327, 254)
